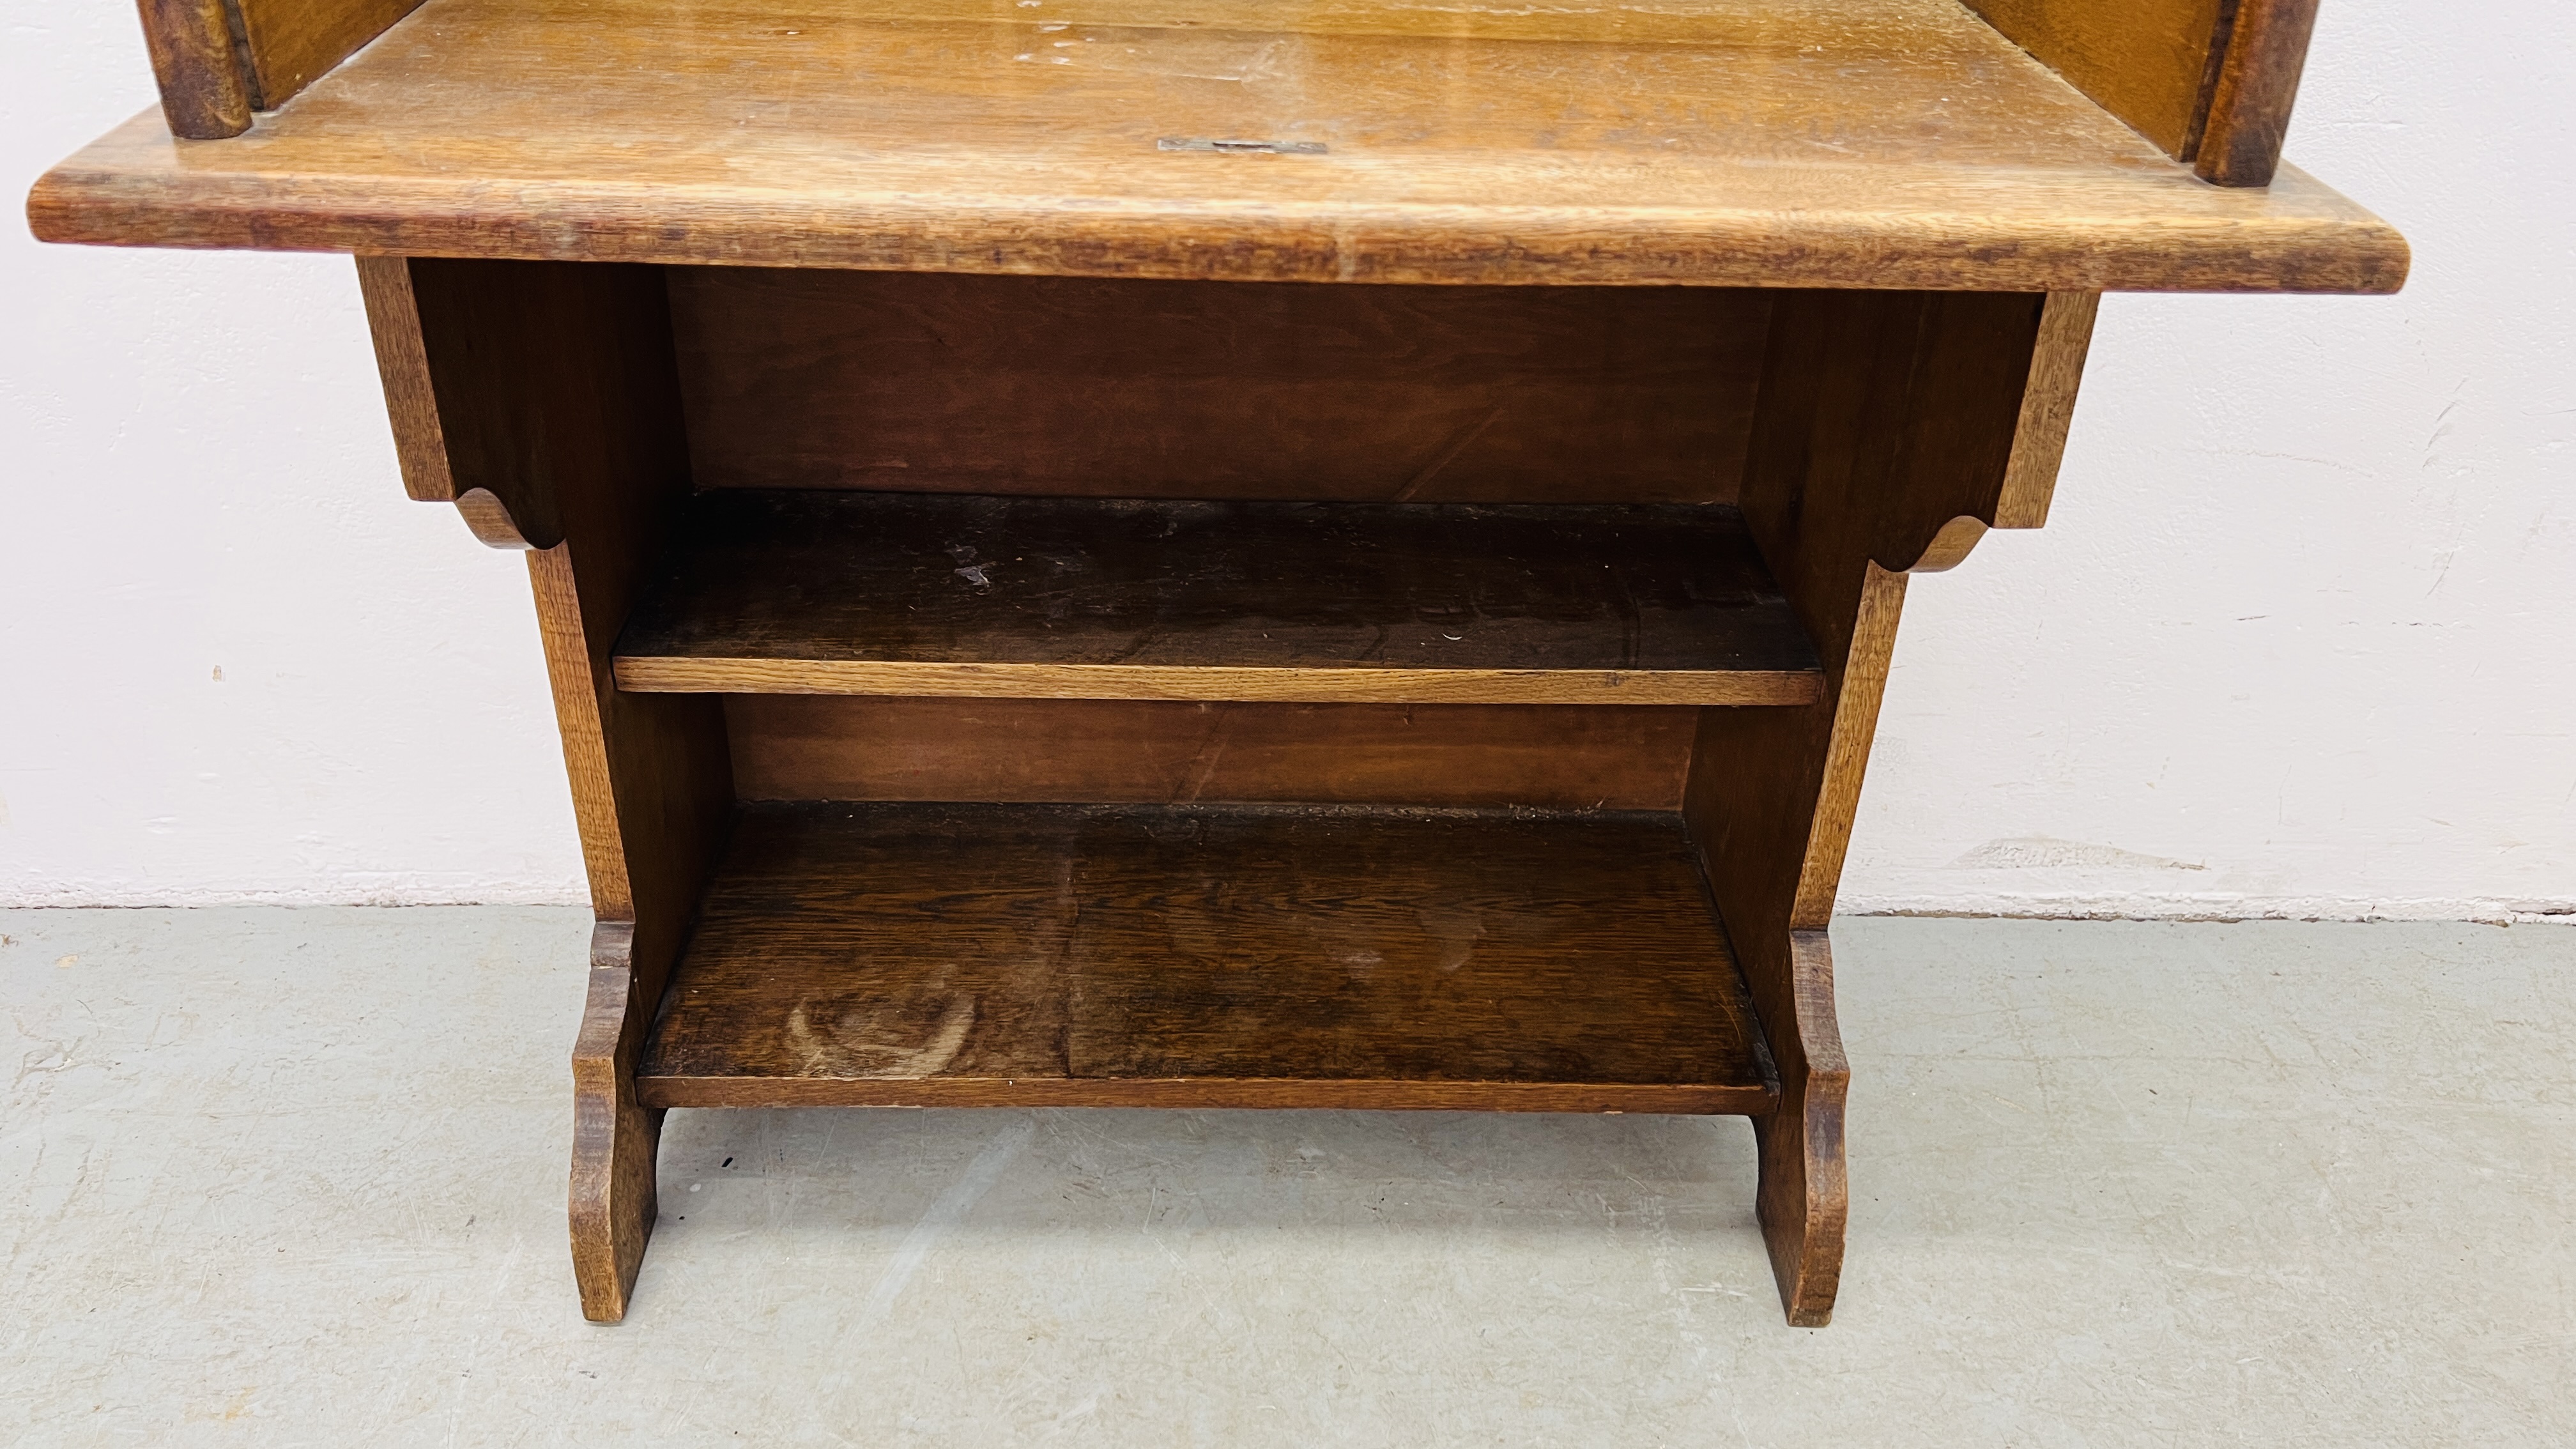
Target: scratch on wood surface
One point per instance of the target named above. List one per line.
(1449, 454)
(1211, 750)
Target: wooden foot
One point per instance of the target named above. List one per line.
(1804, 1200)
(614, 1141)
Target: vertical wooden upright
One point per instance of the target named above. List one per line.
(540, 398)
(1894, 429)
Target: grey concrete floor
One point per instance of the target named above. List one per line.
(288, 1177)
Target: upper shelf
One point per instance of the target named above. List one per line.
(1425, 603)
(1880, 143)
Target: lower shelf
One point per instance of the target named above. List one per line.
(1212, 956)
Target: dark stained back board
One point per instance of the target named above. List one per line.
(1153, 751)
(1147, 389)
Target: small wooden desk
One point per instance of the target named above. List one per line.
(1201, 553)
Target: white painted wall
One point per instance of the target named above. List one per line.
(2297, 640)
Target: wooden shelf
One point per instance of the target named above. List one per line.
(1883, 143)
(957, 955)
(784, 592)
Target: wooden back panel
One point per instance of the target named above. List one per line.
(2211, 81)
(1128, 751)
(220, 60)
(1067, 386)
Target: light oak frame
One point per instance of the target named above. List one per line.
(1890, 231)
(1892, 430)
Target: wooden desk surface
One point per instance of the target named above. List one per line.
(1878, 143)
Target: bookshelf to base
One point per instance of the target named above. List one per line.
(1336, 553)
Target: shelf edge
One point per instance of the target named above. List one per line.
(670, 674)
(137, 187)
(1685, 1099)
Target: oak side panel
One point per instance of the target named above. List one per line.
(550, 388)
(2210, 81)
(1887, 417)
(2145, 61)
(2047, 409)
(464, 432)
(1551, 757)
(412, 391)
(292, 43)
(614, 1197)
(1889, 438)
(1804, 1201)
(553, 394)
(1081, 387)
(204, 92)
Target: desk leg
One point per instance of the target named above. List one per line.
(1894, 429)
(542, 399)
(1804, 1199)
(614, 1141)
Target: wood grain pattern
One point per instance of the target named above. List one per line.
(1320, 684)
(2047, 410)
(292, 43)
(553, 384)
(522, 515)
(1549, 757)
(492, 399)
(1206, 956)
(1078, 386)
(885, 593)
(2145, 61)
(2249, 108)
(2037, 443)
(1804, 1200)
(1236, 1093)
(614, 1197)
(204, 94)
(2210, 81)
(220, 60)
(1887, 143)
(1886, 418)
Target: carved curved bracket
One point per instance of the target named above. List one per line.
(1950, 546)
(458, 438)
(491, 522)
(2028, 480)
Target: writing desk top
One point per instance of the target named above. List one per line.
(1872, 143)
